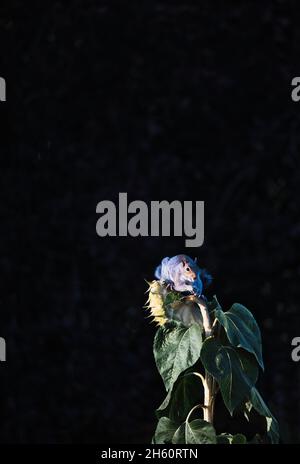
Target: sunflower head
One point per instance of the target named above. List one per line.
(166, 305)
(156, 302)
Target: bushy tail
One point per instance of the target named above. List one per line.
(205, 277)
(157, 272)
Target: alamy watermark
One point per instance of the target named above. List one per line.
(2, 349)
(295, 94)
(296, 351)
(160, 218)
(2, 89)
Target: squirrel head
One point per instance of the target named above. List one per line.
(190, 268)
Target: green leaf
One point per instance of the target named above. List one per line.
(176, 349)
(239, 439)
(164, 431)
(242, 329)
(185, 394)
(235, 371)
(228, 439)
(171, 297)
(260, 406)
(224, 439)
(213, 304)
(195, 432)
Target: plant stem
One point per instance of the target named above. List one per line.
(209, 383)
(205, 317)
(208, 411)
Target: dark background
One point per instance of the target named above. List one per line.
(163, 100)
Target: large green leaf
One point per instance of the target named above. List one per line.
(260, 406)
(241, 329)
(185, 394)
(164, 431)
(195, 432)
(176, 348)
(235, 371)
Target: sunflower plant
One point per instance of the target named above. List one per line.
(200, 352)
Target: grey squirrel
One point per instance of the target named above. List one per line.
(183, 274)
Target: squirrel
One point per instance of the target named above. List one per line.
(183, 274)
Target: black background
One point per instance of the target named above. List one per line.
(163, 100)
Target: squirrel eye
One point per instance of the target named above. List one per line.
(188, 269)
